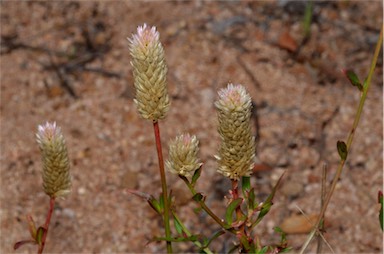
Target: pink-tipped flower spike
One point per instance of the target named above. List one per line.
(149, 72)
(183, 155)
(237, 148)
(56, 175)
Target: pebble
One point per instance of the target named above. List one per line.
(298, 224)
(69, 213)
(81, 191)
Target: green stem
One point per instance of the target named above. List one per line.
(163, 185)
(189, 234)
(349, 141)
(323, 193)
(46, 225)
(206, 208)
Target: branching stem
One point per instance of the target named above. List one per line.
(349, 142)
(46, 225)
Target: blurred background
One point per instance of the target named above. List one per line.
(69, 62)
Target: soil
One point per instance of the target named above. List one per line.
(69, 62)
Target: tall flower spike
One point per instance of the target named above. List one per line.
(56, 175)
(149, 72)
(237, 148)
(183, 155)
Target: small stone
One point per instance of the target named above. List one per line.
(81, 191)
(299, 224)
(69, 213)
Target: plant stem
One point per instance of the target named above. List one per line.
(323, 193)
(46, 225)
(189, 234)
(163, 185)
(206, 208)
(349, 141)
(235, 195)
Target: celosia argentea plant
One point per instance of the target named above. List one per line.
(235, 156)
(56, 178)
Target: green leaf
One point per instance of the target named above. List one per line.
(213, 237)
(268, 202)
(39, 235)
(158, 207)
(32, 226)
(308, 19)
(196, 176)
(245, 184)
(191, 238)
(231, 208)
(178, 227)
(283, 235)
(365, 83)
(264, 210)
(198, 197)
(380, 197)
(244, 242)
(251, 199)
(161, 201)
(342, 150)
(263, 250)
(353, 78)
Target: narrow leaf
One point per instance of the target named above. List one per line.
(155, 205)
(342, 150)
(191, 238)
(263, 250)
(270, 197)
(32, 226)
(161, 201)
(251, 199)
(268, 202)
(21, 243)
(380, 197)
(196, 176)
(140, 194)
(245, 184)
(352, 77)
(178, 227)
(264, 210)
(244, 242)
(214, 236)
(184, 179)
(231, 208)
(198, 197)
(39, 235)
(150, 199)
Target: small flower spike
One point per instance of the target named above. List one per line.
(56, 175)
(149, 72)
(183, 155)
(237, 149)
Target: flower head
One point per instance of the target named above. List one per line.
(183, 155)
(149, 72)
(237, 148)
(56, 176)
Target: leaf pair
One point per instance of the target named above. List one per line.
(36, 235)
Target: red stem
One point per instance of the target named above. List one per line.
(46, 225)
(235, 195)
(163, 184)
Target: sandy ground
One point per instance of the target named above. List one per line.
(69, 62)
